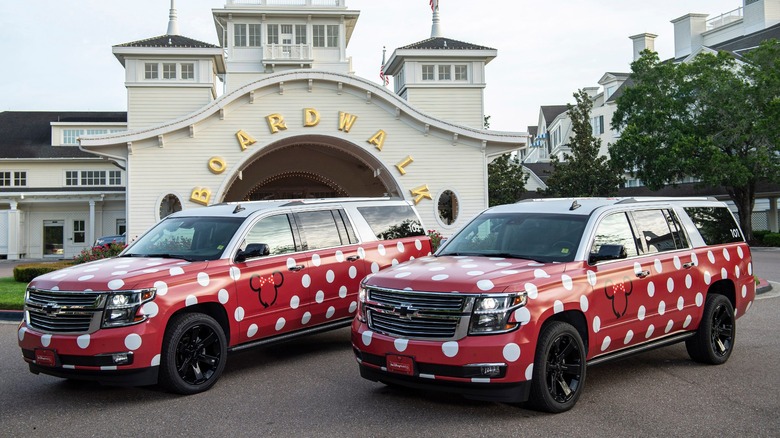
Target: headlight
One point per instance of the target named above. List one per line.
(492, 312)
(362, 296)
(122, 307)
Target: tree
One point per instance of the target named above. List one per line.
(714, 119)
(584, 172)
(506, 180)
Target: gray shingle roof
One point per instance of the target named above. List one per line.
(740, 45)
(439, 43)
(177, 41)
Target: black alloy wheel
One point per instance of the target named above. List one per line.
(714, 340)
(194, 353)
(559, 368)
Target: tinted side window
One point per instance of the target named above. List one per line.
(653, 228)
(274, 231)
(615, 230)
(715, 224)
(319, 229)
(392, 221)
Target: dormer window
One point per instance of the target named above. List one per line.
(151, 71)
(170, 71)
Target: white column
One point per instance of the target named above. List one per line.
(13, 232)
(773, 215)
(91, 224)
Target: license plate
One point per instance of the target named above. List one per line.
(400, 364)
(45, 357)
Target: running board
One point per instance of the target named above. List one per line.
(641, 348)
(296, 334)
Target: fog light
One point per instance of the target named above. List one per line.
(121, 358)
(490, 370)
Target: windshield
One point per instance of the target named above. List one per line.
(188, 238)
(533, 236)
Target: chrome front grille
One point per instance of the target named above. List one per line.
(64, 312)
(418, 315)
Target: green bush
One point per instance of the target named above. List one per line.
(25, 273)
(760, 234)
(771, 239)
(99, 252)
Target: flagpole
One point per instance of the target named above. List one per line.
(436, 31)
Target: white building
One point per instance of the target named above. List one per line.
(293, 122)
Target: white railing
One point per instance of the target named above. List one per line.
(287, 52)
(326, 3)
(724, 19)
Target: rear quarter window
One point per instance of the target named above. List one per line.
(392, 221)
(715, 224)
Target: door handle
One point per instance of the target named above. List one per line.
(353, 258)
(689, 265)
(643, 274)
(296, 268)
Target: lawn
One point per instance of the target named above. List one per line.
(11, 294)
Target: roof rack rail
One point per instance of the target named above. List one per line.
(639, 199)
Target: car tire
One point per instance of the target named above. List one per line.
(559, 368)
(194, 353)
(714, 340)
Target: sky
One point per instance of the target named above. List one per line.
(58, 52)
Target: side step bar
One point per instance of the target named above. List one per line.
(641, 348)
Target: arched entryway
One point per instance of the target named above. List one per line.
(311, 167)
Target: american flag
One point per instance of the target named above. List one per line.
(434, 4)
(385, 80)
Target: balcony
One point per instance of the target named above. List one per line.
(285, 3)
(725, 19)
(287, 54)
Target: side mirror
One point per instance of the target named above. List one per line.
(253, 250)
(609, 252)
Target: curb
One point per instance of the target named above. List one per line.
(10, 316)
(763, 286)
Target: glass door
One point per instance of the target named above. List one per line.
(53, 238)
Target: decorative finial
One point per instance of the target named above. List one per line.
(173, 24)
(436, 26)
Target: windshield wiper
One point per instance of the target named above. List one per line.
(162, 256)
(510, 255)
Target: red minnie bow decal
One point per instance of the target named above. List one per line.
(618, 293)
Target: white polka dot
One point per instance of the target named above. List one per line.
(239, 314)
(637, 268)
(151, 271)
(723, 273)
(641, 313)
(343, 292)
(46, 340)
(750, 268)
(605, 343)
(440, 277)
(280, 324)
(86, 277)
(418, 244)
(401, 344)
(711, 257)
(55, 288)
(650, 288)
(744, 291)
(503, 264)
(330, 312)
(687, 322)
(291, 263)
(352, 272)
(361, 252)
(530, 288)
(670, 284)
(400, 246)
(661, 308)
(352, 307)
(191, 300)
(150, 309)
(658, 266)
(511, 352)
(83, 341)
(596, 324)
(366, 337)
(155, 361)
(330, 276)
(566, 282)
(295, 302)
(468, 266)
(474, 273)
(699, 299)
(739, 252)
(402, 274)
(306, 318)
(529, 372)
(726, 254)
(629, 337)
(540, 273)
(707, 277)
(119, 273)
(252, 330)
(694, 259)
(374, 267)
(21, 333)
(523, 315)
(133, 342)
(650, 331)
(175, 271)
(305, 280)
(116, 284)
(203, 279)
(450, 349)
(688, 281)
(592, 278)
(320, 296)
(381, 249)
(736, 271)
(677, 263)
(315, 260)
(680, 303)
(584, 303)
(91, 269)
(235, 273)
(154, 264)
(557, 306)
(223, 296)
(339, 256)
(669, 326)
(485, 285)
